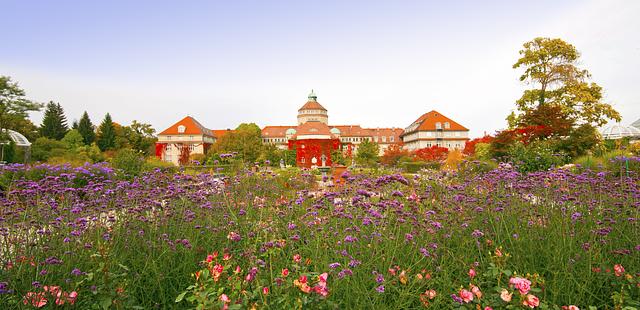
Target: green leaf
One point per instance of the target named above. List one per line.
(181, 297)
(106, 302)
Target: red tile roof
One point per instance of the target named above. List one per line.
(352, 131)
(312, 105)
(192, 127)
(387, 132)
(276, 131)
(427, 122)
(220, 132)
(312, 128)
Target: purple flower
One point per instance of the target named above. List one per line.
(4, 288)
(334, 265)
(380, 289)
(408, 237)
(76, 272)
(477, 234)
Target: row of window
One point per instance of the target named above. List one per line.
(191, 147)
(274, 140)
(312, 112)
(446, 125)
(384, 139)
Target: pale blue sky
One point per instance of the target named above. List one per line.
(373, 63)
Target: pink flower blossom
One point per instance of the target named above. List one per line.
(285, 272)
(265, 290)
(472, 273)
(297, 258)
(523, 285)
(618, 270)
(531, 301)
(466, 296)
(35, 299)
(505, 295)
(476, 291)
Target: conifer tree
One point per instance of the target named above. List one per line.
(106, 134)
(86, 129)
(54, 123)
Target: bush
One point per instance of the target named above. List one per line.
(128, 161)
(415, 166)
(536, 156)
(44, 148)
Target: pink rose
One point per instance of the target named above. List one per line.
(476, 291)
(618, 270)
(466, 296)
(488, 308)
(472, 273)
(531, 301)
(505, 295)
(523, 285)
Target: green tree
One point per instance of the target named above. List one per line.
(44, 148)
(337, 157)
(86, 129)
(106, 139)
(140, 136)
(245, 140)
(550, 67)
(14, 107)
(54, 123)
(73, 139)
(367, 154)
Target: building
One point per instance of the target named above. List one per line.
(432, 129)
(184, 138)
(314, 139)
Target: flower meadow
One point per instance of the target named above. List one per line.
(92, 238)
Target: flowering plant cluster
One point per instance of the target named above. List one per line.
(378, 240)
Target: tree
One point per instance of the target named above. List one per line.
(106, 134)
(86, 129)
(44, 148)
(140, 136)
(434, 153)
(551, 68)
(367, 153)
(54, 123)
(14, 107)
(393, 154)
(73, 139)
(245, 140)
(337, 157)
(470, 146)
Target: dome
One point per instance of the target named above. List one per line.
(290, 131)
(17, 137)
(335, 131)
(618, 131)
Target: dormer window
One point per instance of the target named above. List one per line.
(181, 129)
(438, 125)
(446, 125)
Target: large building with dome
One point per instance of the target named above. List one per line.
(314, 139)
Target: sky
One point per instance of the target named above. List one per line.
(372, 63)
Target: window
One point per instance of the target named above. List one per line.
(375, 138)
(168, 147)
(446, 125)
(191, 138)
(302, 160)
(438, 125)
(169, 138)
(391, 138)
(384, 139)
(181, 129)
